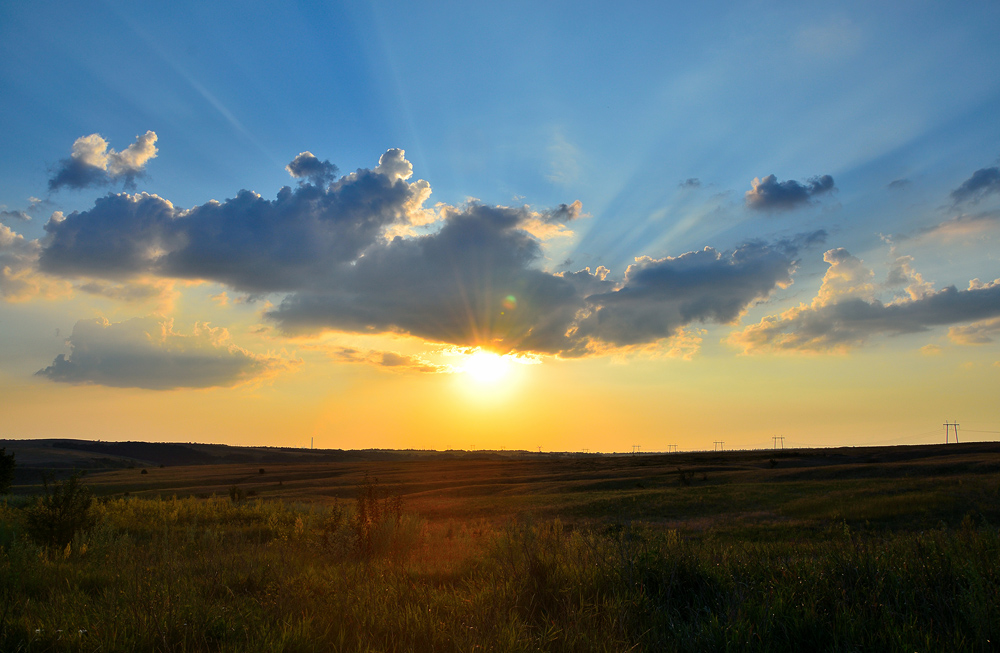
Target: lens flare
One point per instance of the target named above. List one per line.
(509, 303)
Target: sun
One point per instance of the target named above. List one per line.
(485, 367)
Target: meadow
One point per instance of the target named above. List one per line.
(833, 550)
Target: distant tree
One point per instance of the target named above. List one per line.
(144, 472)
(6, 470)
(261, 471)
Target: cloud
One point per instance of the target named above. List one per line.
(92, 163)
(345, 257)
(15, 215)
(846, 313)
(962, 226)
(983, 182)
(250, 243)
(563, 213)
(931, 350)
(979, 333)
(769, 194)
(19, 280)
(307, 165)
(470, 283)
(147, 353)
(139, 291)
(388, 359)
(691, 182)
(661, 295)
(899, 184)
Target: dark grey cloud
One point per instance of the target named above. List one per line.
(563, 213)
(476, 280)
(660, 296)
(983, 182)
(249, 243)
(307, 166)
(93, 163)
(899, 184)
(691, 182)
(769, 194)
(147, 353)
(470, 283)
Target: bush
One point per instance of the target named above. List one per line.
(6, 470)
(60, 513)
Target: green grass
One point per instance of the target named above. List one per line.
(619, 555)
(212, 575)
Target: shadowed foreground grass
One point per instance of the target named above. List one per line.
(215, 575)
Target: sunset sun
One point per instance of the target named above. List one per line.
(485, 367)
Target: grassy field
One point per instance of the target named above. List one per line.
(830, 550)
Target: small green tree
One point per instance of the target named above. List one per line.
(6, 470)
(60, 513)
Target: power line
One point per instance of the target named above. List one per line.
(946, 426)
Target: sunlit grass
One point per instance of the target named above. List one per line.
(514, 557)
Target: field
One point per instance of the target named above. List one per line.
(841, 550)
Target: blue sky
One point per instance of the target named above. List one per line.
(656, 117)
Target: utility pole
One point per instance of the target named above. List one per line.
(947, 426)
(635, 448)
(671, 448)
(719, 445)
(778, 438)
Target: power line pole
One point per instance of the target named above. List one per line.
(719, 445)
(635, 448)
(947, 425)
(778, 438)
(671, 448)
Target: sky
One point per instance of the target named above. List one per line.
(549, 226)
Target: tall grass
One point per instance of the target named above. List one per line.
(214, 575)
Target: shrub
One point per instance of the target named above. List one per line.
(236, 494)
(60, 513)
(6, 470)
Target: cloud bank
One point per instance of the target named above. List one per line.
(847, 313)
(343, 255)
(770, 195)
(93, 163)
(147, 353)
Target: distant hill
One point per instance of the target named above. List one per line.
(61, 456)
